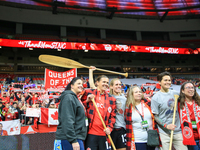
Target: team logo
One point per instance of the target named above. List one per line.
(109, 109)
(88, 148)
(187, 132)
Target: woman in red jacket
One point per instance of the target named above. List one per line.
(189, 110)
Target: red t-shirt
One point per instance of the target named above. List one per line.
(5, 100)
(97, 126)
(9, 116)
(34, 99)
(192, 118)
(147, 91)
(5, 109)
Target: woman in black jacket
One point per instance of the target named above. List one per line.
(71, 129)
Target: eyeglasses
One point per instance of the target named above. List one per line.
(188, 88)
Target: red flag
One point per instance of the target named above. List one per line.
(55, 79)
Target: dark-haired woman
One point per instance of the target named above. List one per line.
(189, 110)
(71, 129)
(96, 138)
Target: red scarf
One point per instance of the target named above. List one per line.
(186, 125)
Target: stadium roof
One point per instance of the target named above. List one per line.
(147, 9)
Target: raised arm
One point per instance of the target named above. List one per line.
(91, 80)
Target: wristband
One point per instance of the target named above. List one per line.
(165, 125)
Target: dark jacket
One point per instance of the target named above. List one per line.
(71, 117)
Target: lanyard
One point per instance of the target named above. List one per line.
(1, 132)
(141, 115)
(83, 106)
(194, 109)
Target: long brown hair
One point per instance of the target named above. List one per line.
(111, 84)
(130, 97)
(195, 97)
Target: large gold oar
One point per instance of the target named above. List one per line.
(173, 121)
(69, 63)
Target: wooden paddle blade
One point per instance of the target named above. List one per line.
(60, 61)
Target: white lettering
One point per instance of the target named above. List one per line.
(163, 50)
(56, 82)
(59, 75)
(64, 75)
(51, 82)
(40, 44)
(50, 74)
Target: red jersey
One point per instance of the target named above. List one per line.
(109, 111)
(5, 100)
(97, 127)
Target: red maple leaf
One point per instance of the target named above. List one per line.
(55, 115)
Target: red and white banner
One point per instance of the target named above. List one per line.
(35, 90)
(54, 79)
(97, 47)
(16, 90)
(49, 116)
(58, 89)
(12, 127)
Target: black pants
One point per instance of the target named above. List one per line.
(119, 137)
(95, 142)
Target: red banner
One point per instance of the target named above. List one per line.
(94, 46)
(54, 79)
(41, 129)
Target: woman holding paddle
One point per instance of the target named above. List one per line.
(163, 107)
(106, 105)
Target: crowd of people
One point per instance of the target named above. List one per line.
(128, 112)
(15, 98)
(127, 118)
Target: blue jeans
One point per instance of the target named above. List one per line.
(67, 146)
(194, 147)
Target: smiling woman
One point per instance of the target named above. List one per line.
(71, 129)
(189, 109)
(162, 106)
(139, 119)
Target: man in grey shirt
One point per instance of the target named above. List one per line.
(162, 106)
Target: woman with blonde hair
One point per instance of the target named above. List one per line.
(118, 134)
(139, 119)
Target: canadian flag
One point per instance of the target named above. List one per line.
(49, 116)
